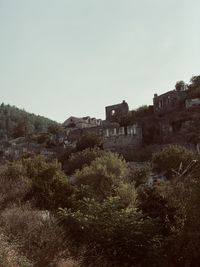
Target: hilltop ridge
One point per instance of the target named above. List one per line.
(15, 122)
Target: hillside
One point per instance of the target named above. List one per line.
(66, 200)
(15, 122)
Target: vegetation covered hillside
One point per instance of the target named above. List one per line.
(103, 213)
(15, 122)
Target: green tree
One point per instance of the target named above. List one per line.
(104, 224)
(17, 122)
(194, 87)
(36, 180)
(50, 187)
(111, 234)
(142, 111)
(171, 158)
(54, 129)
(140, 175)
(23, 128)
(180, 86)
(103, 174)
(81, 158)
(89, 141)
(195, 81)
(14, 184)
(160, 202)
(183, 247)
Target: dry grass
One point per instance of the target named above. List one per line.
(9, 256)
(39, 238)
(68, 263)
(14, 186)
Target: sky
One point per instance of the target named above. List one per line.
(61, 58)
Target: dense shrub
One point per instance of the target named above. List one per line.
(140, 174)
(108, 217)
(36, 234)
(160, 202)
(103, 174)
(89, 141)
(9, 254)
(141, 155)
(79, 159)
(111, 234)
(34, 179)
(183, 248)
(50, 187)
(104, 225)
(14, 184)
(172, 158)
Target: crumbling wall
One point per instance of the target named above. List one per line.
(170, 101)
(123, 140)
(115, 112)
(192, 103)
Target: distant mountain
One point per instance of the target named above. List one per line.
(15, 122)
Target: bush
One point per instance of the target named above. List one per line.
(104, 225)
(183, 248)
(171, 158)
(36, 234)
(141, 155)
(34, 179)
(110, 234)
(89, 141)
(139, 175)
(103, 175)
(80, 159)
(143, 111)
(160, 203)
(50, 187)
(9, 254)
(14, 184)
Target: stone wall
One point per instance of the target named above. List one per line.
(115, 112)
(170, 101)
(123, 139)
(192, 103)
(81, 123)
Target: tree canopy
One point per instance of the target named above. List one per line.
(15, 122)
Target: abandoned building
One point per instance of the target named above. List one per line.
(170, 101)
(81, 123)
(114, 137)
(114, 112)
(192, 103)
(157, 126)
(123, 139)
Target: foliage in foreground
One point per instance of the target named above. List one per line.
(34, 179)
(171, 158)
(9, 254)
(109, 216)
(111, 234)
(35, 233)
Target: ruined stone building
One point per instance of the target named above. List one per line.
(169, 101)
(123, 139)
(115, 112)
(192, 103)
(120, 139)
(115, 138)
(178, 117)
(81, 123)
(168, 120)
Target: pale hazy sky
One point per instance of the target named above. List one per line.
(73, 57)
